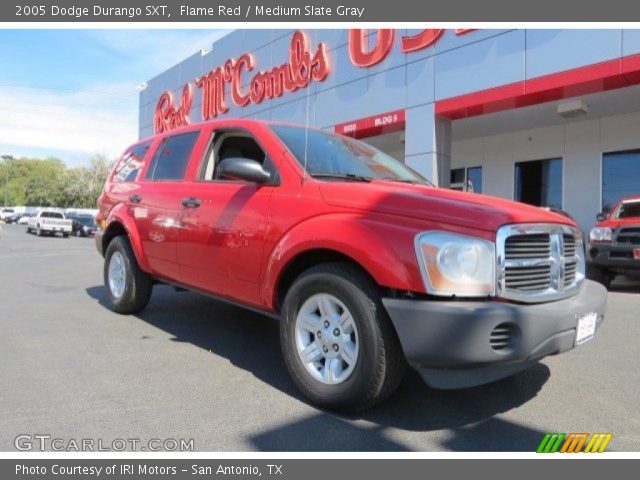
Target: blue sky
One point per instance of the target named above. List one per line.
(71, 93)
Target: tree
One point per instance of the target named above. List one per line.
(44, 183)
(99, 169)
(49, 183)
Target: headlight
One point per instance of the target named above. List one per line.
(600, 234)
(453, 264)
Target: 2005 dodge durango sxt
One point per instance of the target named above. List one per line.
(368, 265)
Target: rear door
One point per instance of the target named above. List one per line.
(223, 222)
(156, 202)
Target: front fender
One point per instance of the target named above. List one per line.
(383, 249)
(122, 214)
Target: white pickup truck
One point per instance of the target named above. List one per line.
(50, 222)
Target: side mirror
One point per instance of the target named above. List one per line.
(236, 168)
(601, 217)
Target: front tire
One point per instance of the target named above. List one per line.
(337, 340)
(128, 287)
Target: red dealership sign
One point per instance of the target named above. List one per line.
(362, 56)
(374, 125)
(303, 67)
(168, 116)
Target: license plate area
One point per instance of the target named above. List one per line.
(636, 253)
(586, 328)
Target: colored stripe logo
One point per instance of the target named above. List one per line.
(574, 443)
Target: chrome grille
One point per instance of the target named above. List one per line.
(539, 262)
(528, 279)
(570, 274)
(571, 262)
(527, 246)
(629, 236)
(569, 242)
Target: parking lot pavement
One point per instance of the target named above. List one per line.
(191, 367)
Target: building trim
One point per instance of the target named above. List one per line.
(599, 77)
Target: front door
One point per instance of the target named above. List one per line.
(223, 223)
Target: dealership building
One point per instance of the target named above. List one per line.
(547, 117)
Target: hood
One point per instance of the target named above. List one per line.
(432, 204)
(620, 222)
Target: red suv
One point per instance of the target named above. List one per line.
(614, 243)
(368, 265)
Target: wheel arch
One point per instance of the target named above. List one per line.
(118, 225)
(358, 244)
(305, 260)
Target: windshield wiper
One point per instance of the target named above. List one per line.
(351, 177)
(399, 180)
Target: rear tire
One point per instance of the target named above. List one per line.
(128, 288)
(379, 364)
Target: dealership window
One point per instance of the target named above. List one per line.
(539, 182)
(467, 179)
(171, 159)
(131, 163)
(620, 177)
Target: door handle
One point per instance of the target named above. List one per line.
(135, 198)
(191, 202)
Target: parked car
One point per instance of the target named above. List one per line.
(49, 222)
(614, 243)
(84, 225)
(6, 212)
(24, 218)
(368, 266)
(13, 218)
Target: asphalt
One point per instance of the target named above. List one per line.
(190, 367)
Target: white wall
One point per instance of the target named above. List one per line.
(580, 144)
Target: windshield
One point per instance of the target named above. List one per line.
(85, 220)
(332, 156)
(628, 210)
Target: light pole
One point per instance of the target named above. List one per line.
(6, 158)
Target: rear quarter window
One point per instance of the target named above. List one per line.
(130, 164)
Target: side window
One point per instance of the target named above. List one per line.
(171, 159)
(229, 145)
(131, 163)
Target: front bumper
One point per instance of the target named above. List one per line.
(449, 342)
(613, 256)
